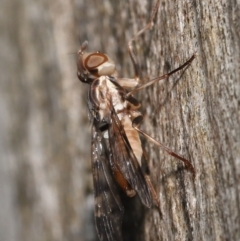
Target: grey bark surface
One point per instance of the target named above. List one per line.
(45, 169)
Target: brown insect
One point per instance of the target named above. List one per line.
(116, 147)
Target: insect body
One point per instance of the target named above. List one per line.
(116, 146)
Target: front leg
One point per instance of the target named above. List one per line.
(130, 83)
(130, 43)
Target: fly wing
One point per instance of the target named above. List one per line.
(126, 161)
(108, 207)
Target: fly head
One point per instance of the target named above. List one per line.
(92, 65)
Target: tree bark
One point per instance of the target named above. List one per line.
(45, 169)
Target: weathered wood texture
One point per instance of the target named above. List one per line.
(45, 173)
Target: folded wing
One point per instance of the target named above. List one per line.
(108, 207)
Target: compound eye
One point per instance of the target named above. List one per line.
(99, 64)
(95, 60)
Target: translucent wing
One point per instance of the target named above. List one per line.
(125, 160)
(108, 207)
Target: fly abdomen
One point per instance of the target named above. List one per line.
(132, 135)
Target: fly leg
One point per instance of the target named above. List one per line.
(130, 46)
(165, 76)
(133, 82)
(189, 165)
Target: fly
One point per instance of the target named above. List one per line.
(116, 147)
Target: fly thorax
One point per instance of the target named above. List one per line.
(106, 96)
